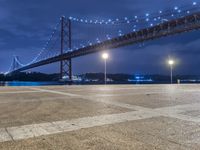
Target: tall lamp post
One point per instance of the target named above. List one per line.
(105, 57)
(171, 64)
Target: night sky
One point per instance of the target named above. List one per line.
(25, 26)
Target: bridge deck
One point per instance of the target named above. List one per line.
(100, 117)
(171, 27)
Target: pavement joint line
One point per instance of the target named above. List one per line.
(186, 118)
(36, 130)
(138, 93)
(133, 107)
(178, 108)
(56, 92)
(119, 104)
(20, 92)
(9, 134)
(36, 99)
(4, 136)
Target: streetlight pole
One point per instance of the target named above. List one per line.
(171, 74)
(105, 73)
(105, 57)
(171, 63)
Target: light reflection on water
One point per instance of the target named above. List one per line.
(20, 83)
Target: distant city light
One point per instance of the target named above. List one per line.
(194, 3)
(175, 7)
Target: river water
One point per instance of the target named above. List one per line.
(19, 83)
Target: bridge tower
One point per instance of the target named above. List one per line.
(66, 41)
(15, 64)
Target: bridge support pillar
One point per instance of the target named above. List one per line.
(65, 65)
(66, 69)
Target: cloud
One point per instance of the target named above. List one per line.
(25, 27)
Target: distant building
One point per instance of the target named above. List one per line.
(74, 78)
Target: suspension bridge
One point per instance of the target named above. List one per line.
(74, 37)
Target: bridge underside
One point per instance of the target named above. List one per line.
(181, 25)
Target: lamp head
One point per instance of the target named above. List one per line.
(105, 55)
(170, 62)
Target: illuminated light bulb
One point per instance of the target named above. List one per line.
(171, 62)
(147, 14)
(105, 55)
(194, 3)
(175, 8)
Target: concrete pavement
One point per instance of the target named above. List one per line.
(100, 117)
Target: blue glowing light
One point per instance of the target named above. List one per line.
(175, 8)
(194, 3)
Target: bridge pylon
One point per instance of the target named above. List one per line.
(15, 65)
(66, 43)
